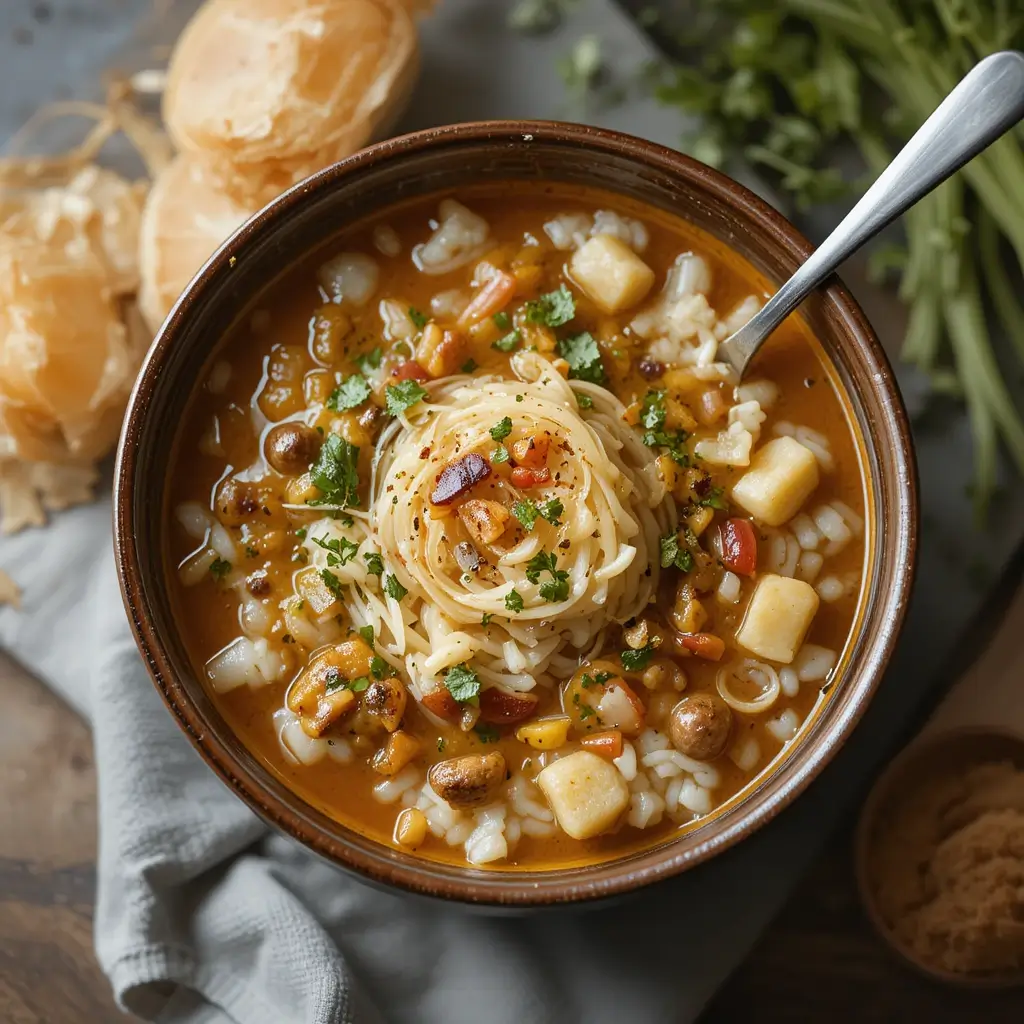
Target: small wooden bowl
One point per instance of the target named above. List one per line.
(924, 757)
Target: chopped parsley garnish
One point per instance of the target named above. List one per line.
(403, 395)
(520, 398)
(334, 680)
(584, 358)
(336, 472)
(598, 679)
(486, 733)
(673, 553)
(440, 744)
(340, 550)
(584, 401)
(485, 619)
(527, 511)
(500, 454)
(379, 668)
(366, 632)
(417, 317)
(501, 320)
(585, 711)
(301, 533)
(652, 410)
(331, 582)
(374, 563)
(393, 588)
(634, 660)
(352, 392)
(514, 601)
(220, 568)
(507, 342)
(673, 441)
(553, 309)
(360, 684)
(714, 498)
(462, 682)
(502, 429)
(555, 589)
(469, 366)
(369, 360)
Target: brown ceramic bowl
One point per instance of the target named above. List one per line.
(446, 158)
(919, 762)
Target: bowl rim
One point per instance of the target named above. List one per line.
(587, 882)
(919, 748)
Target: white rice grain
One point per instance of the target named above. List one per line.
(626, 761)
(789, 681)
(349, 277)
(764, 392)
(645, 809)
(695, 798)
(785, 726)
(235, 665)
(389, 790)
(813, 664)
(746, 754)
(295, 743)
(805, 531)
(459, 238)
(538, 829)
(730, 588)
(833, 527)
(809, 565)
(569, 230)
(830, 589)
(449, 304)
(386, 240)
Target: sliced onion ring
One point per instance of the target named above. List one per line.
(752, 672)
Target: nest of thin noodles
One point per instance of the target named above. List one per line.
(71, 339)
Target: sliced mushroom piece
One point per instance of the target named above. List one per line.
(458, 477)
(468, 781)
(385, 699)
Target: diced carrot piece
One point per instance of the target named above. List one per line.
(410, 370)
(524, 477)
(441, 703)
(704, 645)
(491, 297)
(607, 744)
(739, 546)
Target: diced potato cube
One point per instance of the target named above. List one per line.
(778, 616)
(544, 733)
(611, 273)
(311, 588)
(782, 475)
(586, 794)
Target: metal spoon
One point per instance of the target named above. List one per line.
(988, 102)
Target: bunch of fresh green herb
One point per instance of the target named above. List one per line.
(786, 87)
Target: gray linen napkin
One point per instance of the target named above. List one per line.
(205, 916)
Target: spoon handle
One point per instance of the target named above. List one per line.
(986, 103)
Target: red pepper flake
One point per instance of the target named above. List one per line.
(425, 452)
(458, 477)
(524, 477)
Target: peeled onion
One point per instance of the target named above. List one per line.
(267, 91)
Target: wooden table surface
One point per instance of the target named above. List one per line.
(818, 962)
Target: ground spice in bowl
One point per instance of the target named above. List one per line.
(941, 857)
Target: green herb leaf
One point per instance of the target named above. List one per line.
(301, 533)
(441, 744)
(500, 454)
(370, 360)
(553, 309)
(652, 410)
(598, 679)
(674, 554)
(366, 632)
(219, 568)
(543, 561)
(714, 498)
(584, 358)
(556, 589)
(352, 392)
(340, 550)
(507, 343)
(336, 472)
(331, 582)
(393, 588)
(674, 442)
(469, 366)
(374, 563)
(379, 668)
(486, 733)
(485, 619)
(585, 711)
(526, 512)
(334, 680)
(462, 682)
(551, 510)
(514, 601)
(418, 318)
(403, 395)
(360, 684)
(584, 401)
(501, 320)
(633, 661)
(501, 429)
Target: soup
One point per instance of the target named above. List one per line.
(478, 549)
